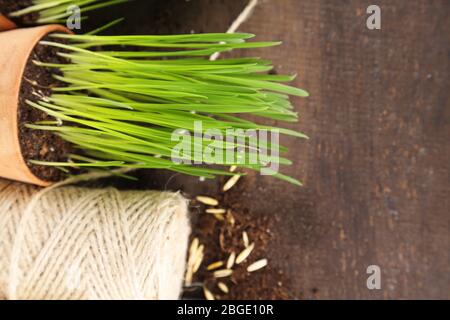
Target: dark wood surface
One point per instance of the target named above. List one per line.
(376, 169)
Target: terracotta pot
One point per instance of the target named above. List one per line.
(6, 24)
(15, 48)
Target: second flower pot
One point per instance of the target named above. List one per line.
(6, 24)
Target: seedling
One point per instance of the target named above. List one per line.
(121, 104)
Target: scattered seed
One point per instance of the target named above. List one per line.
(223, 273)
(258, 265)
(192, 261)
(233, 168)
(245, 239)
(245, 254)
(219, 217)
(197, 265)
(230, 218)
(207, 200)
(208, 294)
(223, 287)
(231, 260)
(188, 277)
(214, 266)
(198, 259)
(194, 246)
(200, 250)
(216, 211)
(231, 183)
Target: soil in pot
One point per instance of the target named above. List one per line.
(8, 6)
(37, 144)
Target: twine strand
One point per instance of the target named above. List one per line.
(79, 243)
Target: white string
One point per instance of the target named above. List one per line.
(244, 16)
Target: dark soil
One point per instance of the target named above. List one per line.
(8, 6)
(37, 144)
(221, 238)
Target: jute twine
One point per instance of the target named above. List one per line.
(77, 243)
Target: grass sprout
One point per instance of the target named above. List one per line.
(123, 97)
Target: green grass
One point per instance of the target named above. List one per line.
(55, 11)
(120, 106)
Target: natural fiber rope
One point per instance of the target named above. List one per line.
(244, 16)
(76, 243)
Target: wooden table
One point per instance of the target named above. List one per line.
(376, 169)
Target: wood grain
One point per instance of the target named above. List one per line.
(376, 169)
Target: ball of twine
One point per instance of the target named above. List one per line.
(77, 243)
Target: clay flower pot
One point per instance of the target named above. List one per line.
(6, 24)
(15, 48)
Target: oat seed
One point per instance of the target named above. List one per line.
(245, 254)
(231, 183)
(258, 265)
(194, 261)
(207, 200)
(198, 259)
(231, 260)
(216, 211)
(230, 218)
(208, 294)
(223, 287)
(188, 278)
(223, 273)
(214, 266)
(194, 245)
(245, 239)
